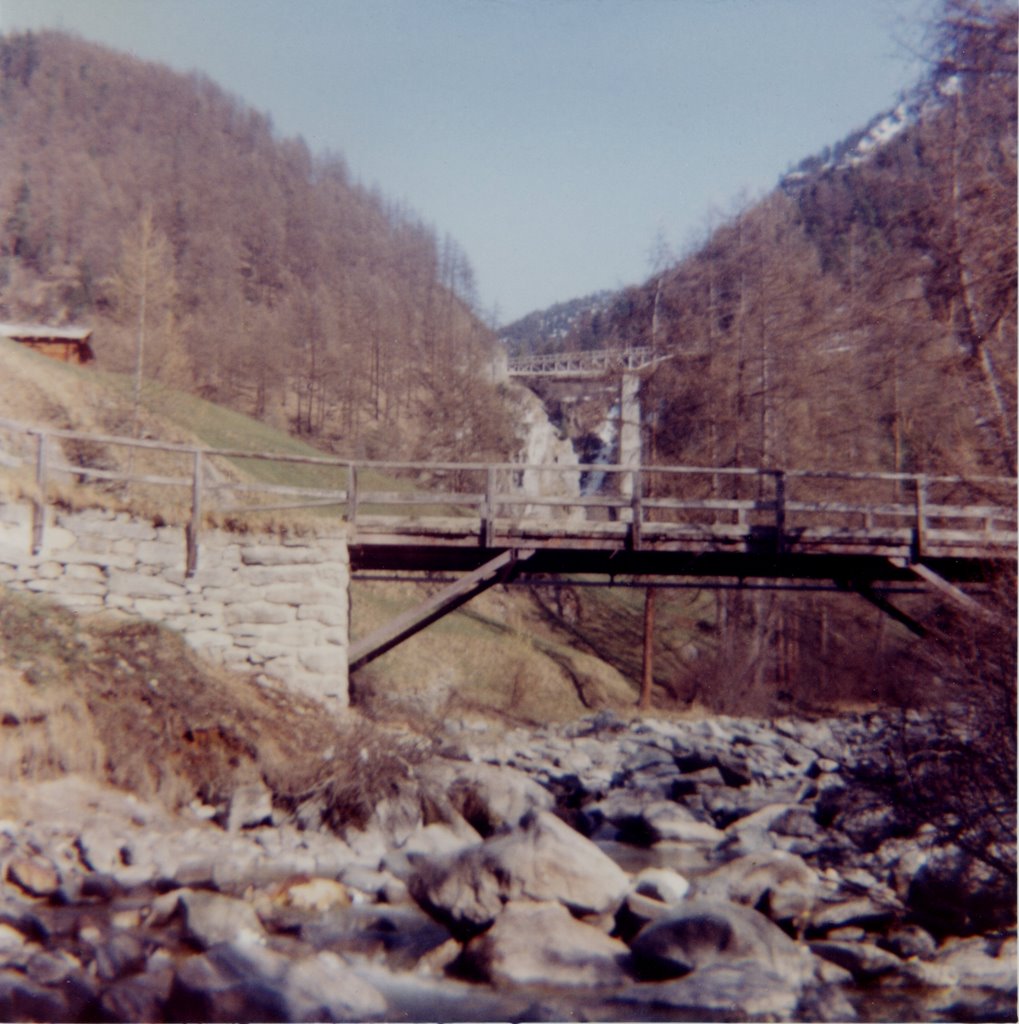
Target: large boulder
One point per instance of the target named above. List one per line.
(856, 912)
(23, 999)
(666, 820)
(641, 819)
(732, 804)
(782, 819)
(491, 798)
(863, 960)
(543, 859)
(781, 885)
(210, 987)
(662, 885)
(210, 918)
(35, 876)
(653, 892)
(139, 996)
(977, 962)
(542, 944)
(324, 987)
(699, 933)
(429, 841)
(978, 979)
(250, 806)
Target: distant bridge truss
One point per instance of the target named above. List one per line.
(596, 363)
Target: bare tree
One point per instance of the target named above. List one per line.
(144, 293)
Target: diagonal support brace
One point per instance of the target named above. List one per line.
(868, 593)
(498, 570)
(952, 592)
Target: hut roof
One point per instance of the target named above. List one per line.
(42, 332)
(67, 343)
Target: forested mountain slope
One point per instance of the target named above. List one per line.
(272, 281)
(546, 330)
(863, 315)
(860, 317)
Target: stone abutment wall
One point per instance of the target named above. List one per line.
(273, 606)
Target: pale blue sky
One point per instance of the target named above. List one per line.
(555, 140)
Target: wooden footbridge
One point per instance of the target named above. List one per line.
(476, 525)
(866, 533)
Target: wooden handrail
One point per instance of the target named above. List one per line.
(491, 502)
(431, 466)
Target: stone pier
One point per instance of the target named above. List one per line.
(276, 607)
(629, 434)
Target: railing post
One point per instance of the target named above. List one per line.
(920, 524)
(351, 493)
(636, 509)
(39, 503)
(195, 523)
(779, 476)
(488, 509)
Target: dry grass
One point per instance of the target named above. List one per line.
(38, 391)
(377, 764)
(44, 735)
(495, 657)
(128, 703)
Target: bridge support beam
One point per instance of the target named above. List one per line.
(498, 570)
(629, 435)
(952, 592)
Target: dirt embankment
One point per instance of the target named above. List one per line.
(128, 703)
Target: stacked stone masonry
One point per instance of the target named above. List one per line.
(273, 606)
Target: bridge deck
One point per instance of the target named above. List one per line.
(664, 549)
(798, 523)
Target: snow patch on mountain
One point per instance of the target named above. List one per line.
(858, 147)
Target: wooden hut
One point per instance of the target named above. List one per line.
(68, 344)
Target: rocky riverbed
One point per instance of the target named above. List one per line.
(609, 869)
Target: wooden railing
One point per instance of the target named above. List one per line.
(493, 505)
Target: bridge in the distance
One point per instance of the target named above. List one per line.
(624, 367)
(595, 363)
